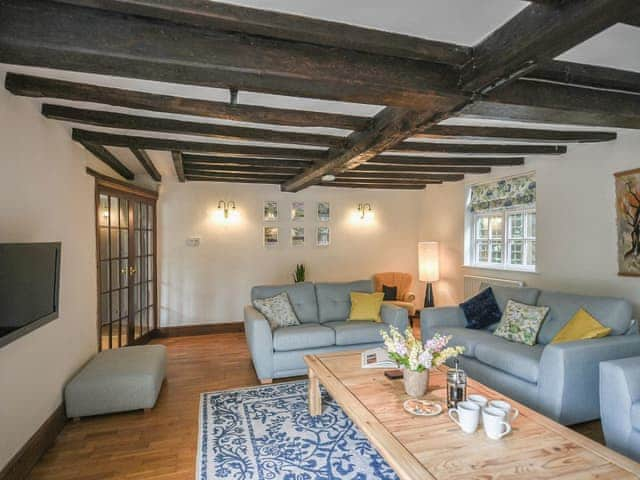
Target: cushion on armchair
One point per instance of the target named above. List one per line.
(481, 310)
(390, 293)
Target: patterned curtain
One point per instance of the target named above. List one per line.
(515, 191)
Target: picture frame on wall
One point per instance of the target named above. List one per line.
(297, 211)
(270, 211)
(270, 236)
(323, 236)
(297, 236)
(627, 186)
(324, 211)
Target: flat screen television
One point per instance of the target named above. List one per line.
(29, 287)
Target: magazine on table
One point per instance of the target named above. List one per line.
(377, 358)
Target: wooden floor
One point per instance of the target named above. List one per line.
(161, 444)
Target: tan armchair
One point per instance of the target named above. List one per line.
(403, 282)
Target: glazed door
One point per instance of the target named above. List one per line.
(126, 269)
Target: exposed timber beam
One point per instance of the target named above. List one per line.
(165, 125)
(297, 28)
(535, 35)
(408, 177)
(178, 165)
(210, 178)
(514, 134)
(490, 149)
(450, 161)
(592, 76)
(375, 186)
(372, 167)
(237, 176)
(274, 171)
(48, 34)
(381, 181)
(147, 164)
(107, 157)
(260, 162)
(150, 143)
(38, 87)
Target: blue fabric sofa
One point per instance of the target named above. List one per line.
(322, 309)
(558, 380)
(620, 405)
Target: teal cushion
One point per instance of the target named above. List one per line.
(517, 359)
(302, 337)
(354, 332)
(614, 313)
(334, 302)
(301, 295)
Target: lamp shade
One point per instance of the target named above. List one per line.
(429, 261)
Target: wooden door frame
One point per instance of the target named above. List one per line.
(111, 186)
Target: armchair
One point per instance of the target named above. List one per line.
(402, 281)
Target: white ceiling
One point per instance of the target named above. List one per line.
(457, 21)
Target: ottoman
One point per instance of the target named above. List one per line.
(119, 380)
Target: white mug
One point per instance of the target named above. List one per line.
(468, 414)
(495, 423)
(479, 400)
(511, 412)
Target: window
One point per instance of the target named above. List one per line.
(501, 221)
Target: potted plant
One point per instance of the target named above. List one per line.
(299, 273)
(415, 358)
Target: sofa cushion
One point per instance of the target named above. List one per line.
(277, 310)
(521, 322)
(301, 295)
(519, 294)
(517, 359)
(635, 415)
(464, 337)
(300, 337)
(365, 306)
(614, 313)
(353, 333)
(334, 302)
(481, 310)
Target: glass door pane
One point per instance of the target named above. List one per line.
(143, 264)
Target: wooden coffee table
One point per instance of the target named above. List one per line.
(435, 448)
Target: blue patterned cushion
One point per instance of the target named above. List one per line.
(481, 310)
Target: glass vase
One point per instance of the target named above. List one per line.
(416, 383)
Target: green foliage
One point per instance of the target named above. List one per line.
(299, 273)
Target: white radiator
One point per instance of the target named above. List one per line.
(472, 284)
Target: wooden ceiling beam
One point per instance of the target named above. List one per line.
(514, 134)
(151, 143)
(297, 28)
(450, 161)
(147, 164)
(375, 186)
(372, 167)
(211, 178)
(260, 162)
(38, 87)
(108, 158)
(534, 36)
(408, 177)
(591, 76)
(241, 169)
(178, 165)
(165, 125)
(471, 148)
(237, 176)
(54, 35)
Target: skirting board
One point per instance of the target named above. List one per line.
(192, 330)
(22, 462)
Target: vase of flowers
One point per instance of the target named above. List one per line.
(416, 358)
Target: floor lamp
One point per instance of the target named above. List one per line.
(429, 268)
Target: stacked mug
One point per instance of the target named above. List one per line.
(495, 415)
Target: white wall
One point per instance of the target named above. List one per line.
(576, 223)
(212, 283)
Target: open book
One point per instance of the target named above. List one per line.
(377, 358)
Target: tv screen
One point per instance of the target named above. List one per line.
(29, 287)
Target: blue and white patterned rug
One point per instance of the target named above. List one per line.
(266, 433)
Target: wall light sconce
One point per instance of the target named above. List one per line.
(365, 211)
(227, 210)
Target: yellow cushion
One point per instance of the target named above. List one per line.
(366, 306)
(581, 327)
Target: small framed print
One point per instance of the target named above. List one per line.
(323, 236)
(297, 236)
(297, 211)
(324, 211)
(270, 211)
(270, 236)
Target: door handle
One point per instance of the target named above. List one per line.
(132, 270)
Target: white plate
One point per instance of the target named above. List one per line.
(422, 408)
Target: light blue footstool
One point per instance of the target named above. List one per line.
(620, 405)
(117, 381)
